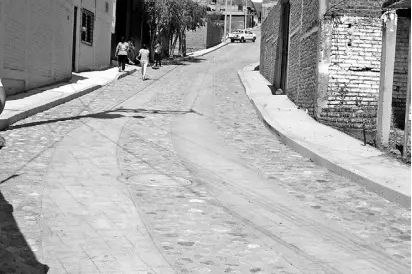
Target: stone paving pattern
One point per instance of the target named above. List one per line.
(362, 212)
(178, 216)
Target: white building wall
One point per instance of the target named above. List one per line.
(97, 55)
(36, 40)
(35, 43)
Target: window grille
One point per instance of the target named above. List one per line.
(87, 27)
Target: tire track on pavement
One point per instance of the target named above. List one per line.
(208, 171)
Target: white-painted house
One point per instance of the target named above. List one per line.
(43, 41)
(93, 34)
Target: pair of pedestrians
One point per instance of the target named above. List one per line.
(122, 51)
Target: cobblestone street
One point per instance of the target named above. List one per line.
(177, 174)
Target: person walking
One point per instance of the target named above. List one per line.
(143, 56)
(131, 55)
(158, 54)
(121, 53)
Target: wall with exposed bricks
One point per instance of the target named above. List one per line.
(353, 52)
(354, 72)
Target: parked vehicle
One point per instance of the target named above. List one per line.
(242, 36)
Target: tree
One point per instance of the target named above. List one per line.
(172, 18)
(154, 13)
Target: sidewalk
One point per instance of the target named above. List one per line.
(326, 146)
(37, 100)
(206, 51)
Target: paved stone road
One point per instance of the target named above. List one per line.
(177, 175)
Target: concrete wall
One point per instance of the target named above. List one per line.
(214, 35)
(196, 40)
(204, 37)
(36, 39)
(97, 55)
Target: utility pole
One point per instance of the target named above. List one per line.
(246, 14)
(224, 31)
(230, 18)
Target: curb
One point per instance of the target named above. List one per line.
(207, 51)
(4, 123)
(322, 160)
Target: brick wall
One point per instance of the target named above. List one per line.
(352, 51)
(37, 43)
(308, 58)
(303, 45)
(354, 72)
(400, 80)
(269, 43)
(307, 76)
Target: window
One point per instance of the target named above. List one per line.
(87, 27)
(106, 7)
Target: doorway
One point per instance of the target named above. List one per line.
(285, 45)
(74, 39)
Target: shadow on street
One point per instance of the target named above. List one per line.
(109, 114)
(15, 254)
(182, 61)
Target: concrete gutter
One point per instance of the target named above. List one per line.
(38, 100)
(328, 147)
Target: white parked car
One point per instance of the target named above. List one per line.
(242, 36)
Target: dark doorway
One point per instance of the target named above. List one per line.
(74, 40)
(285, 45)
(282, 49)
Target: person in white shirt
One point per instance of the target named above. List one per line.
(121, 53)
(143, 56)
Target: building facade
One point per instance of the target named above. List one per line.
(92, 28)
(43, 41)
(36, 42)
(326, 56)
